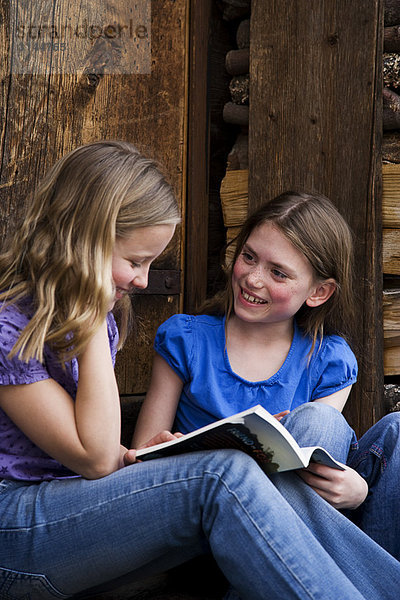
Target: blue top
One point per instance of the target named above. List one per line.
(19, 458)
(194, 347)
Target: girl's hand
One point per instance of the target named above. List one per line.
(163, 436)
(342, 489)
(282, 414)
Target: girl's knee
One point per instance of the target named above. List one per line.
(233, 472)
(390, 422)
(233, 461)
(318, 424)
(318, 413)
(385, 431)
(222, 462)
(378, 448)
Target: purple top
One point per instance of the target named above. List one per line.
(20, 459)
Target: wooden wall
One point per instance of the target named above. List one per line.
(45, 114)
(315, 122)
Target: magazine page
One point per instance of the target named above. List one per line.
(255, 432)
(286, 453)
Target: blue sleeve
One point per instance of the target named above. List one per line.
(336, 367)
(174, 342)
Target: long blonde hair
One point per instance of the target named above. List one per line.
(60, 257)
(316, 228)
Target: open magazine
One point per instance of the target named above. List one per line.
(254, 431)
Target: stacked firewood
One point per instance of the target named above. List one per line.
(391, 67)
(234, 186)
(236, 111)
(391, 193)
(237, 63)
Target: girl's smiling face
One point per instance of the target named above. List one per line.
(271, 279)
(133, 255)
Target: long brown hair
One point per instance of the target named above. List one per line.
(315, 227)
(61, 255)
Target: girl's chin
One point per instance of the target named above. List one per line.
(251, 313)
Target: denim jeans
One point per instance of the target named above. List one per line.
(271, 539)
(377, 459)
(318, 424)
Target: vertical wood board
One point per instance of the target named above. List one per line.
(198, 156)
(43, 116)
(315, 124)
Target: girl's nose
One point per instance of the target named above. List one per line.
(254, 278)
(141, 279)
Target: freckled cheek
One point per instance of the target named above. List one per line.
(237, 269)
(237, 273)
(282, 293)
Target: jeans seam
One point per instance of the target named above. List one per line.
(12, 575)
(101, 504)
(376, 451)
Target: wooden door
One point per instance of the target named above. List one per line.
(315, 123)
(50, 105)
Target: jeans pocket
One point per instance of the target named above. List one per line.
(15, 585)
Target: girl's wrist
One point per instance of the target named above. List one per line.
(362, 494)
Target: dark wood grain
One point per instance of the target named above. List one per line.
(44, 115)
(198, 157)
(315, 123)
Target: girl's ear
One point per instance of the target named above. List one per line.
(321, 293)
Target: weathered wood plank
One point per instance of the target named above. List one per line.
(45, 115)
(198, 153)
(133, 365)
(391, 195)
(315, 123)
(234, 194)
(391, 251)
(391, 316)
(392, 360)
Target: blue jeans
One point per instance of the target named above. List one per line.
(318, 424)
(378, 461)
(271, 540)
(376, 457)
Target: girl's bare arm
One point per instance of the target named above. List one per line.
(159, 407)
(83, 435)
(337, 399)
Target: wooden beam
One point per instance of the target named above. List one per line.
(316, 123)
(198, 157)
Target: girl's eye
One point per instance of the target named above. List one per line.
(134, 265)
(247, 256)
(279, 274)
